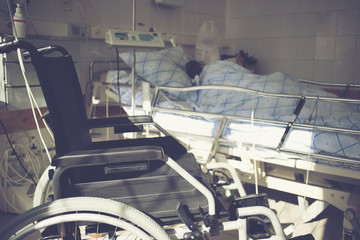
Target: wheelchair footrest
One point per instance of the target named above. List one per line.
(248, 201)
(258, 225)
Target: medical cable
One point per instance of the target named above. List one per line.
(32, 104)
(5, 155)
(133, 62)
(260, 109)
(118, 74)
(38, 109)
(253, 145)
(311, 117)
(14, 151)
(81, 8)
(309, 153)
(11, 176)
(107, 96)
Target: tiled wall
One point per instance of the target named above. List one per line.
(311, 39)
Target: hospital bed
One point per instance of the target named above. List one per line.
(277, 131)
(146, 186)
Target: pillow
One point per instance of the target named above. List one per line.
(162, 68)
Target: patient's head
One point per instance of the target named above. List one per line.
(193, 68)
(243, 59)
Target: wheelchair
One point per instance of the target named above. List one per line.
(135, 188)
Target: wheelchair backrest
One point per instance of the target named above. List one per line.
(61, 88)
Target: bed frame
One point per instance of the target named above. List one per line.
(274, 173)
(316, 184)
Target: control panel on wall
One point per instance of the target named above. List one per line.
(134, 39)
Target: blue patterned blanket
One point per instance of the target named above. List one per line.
(167, 68)
(314, 112)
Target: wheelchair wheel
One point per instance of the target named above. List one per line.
(82, 218)
(43, 189)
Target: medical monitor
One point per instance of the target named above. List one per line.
(134, 39)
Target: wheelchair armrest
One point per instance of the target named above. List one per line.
(112, 155)
(169, 144)
(122, 124)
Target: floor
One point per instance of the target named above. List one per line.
(327, 225)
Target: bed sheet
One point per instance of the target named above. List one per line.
(261, 139)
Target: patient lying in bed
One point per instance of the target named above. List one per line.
(168, 68)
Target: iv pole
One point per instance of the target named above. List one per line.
(133, 61)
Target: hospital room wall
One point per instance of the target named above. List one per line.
(310, 39)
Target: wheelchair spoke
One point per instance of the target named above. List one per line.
(82, 218)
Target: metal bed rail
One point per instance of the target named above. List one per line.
(345, 87)
(256, 92)
(159, 89)
(224, 118)
(327, 84)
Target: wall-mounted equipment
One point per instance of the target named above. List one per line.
(170, 3)
(78, 30)
(134, 39)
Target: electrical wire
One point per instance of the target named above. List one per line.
(32, 104)
(308, 157)
(253, 146)
(11, 177)
(28, 154)
(14, 151)
(14, 179)
(118, 73)
(81, 8)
